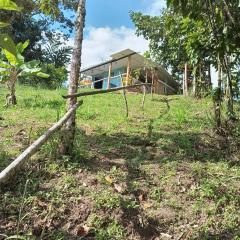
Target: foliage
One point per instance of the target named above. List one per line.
(57, 77)
(186, 172)
(16, 67)
(16, 63)
(56, 53)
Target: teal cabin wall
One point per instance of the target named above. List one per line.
(115, 80)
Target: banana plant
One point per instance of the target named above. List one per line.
(16, 67)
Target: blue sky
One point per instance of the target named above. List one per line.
(109, 28)
(113, 13)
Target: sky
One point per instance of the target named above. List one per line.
(109, 28)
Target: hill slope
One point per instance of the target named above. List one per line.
(160, 174)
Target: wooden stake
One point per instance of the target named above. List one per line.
(125, 98)
(9, 171)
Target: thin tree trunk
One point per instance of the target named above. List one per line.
(217, 101)
(144, 90)
(229, 91)
(209, 77)
(186, 79)
(194, 84)
(153, 75)
(69, 129)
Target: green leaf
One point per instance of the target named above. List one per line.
(7, 43)
(9, 5)
(32, 64)
(42, 75)
(4, 64)
(27, 71)
(3, 24)
(10, 57)
(22, 46)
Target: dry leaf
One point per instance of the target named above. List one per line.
(183, 189)
(147, 205)
(166, 236)
(141, 198)
(118, 188)
(82, 231)
(109, 179)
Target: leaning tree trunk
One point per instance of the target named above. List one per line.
(11, 98)
(69, 129)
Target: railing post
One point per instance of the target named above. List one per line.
(109, 75)
(128, 70)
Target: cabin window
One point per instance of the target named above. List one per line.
(98, 84)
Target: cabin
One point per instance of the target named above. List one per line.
(128, 67)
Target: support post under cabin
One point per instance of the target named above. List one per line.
(109, 75)
(128, 70)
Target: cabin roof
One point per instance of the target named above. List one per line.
(118, 60)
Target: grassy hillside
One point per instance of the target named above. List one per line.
(160, 174)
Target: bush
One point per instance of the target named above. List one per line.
(58, 76)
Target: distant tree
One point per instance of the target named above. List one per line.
(56, 53)
(174, 41)
(223, 20)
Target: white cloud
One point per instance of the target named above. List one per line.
(156, 6)
(100, 43)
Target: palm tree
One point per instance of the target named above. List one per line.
(69, 129)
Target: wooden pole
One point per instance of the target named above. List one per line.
(104, 91)
(128, 70)
(125, 98)
(6, 174)
(109, 75)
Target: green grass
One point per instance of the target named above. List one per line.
(176, 175)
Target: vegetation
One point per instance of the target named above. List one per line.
(200, 34)
(161, 172)
(169, 170)
(15, 67)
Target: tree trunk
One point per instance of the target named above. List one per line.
(11, 98)
(194, 83)
(69, 129)
(217, 101)
(186, 79)
(209, 77)
(229, 88)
